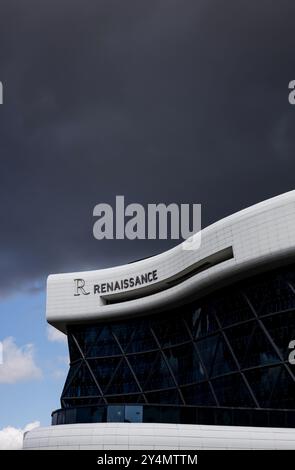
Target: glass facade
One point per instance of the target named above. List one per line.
(222, 359)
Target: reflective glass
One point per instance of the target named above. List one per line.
(202, 321)
(231, 390)
(168, 358)
(232, 308)
(123, 381)
(170, 331)
(185, 364)
(281, 328)
(199, 394)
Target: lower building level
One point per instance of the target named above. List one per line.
(145, 436)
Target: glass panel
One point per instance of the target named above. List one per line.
(284, 391)
(273, 387)
(85, 336)
(170, 331)
(239, 339)
(260, 350)
(97, 414)
(124, 332)
(185, 364)
(216, 355)
(103, 370)
(133, 414)
(159, 376)
(202, 321)
(151, 371)
(125, 398)
(72, 402)
(142, 338)
(232, 308)
(72, 372)
(250, 345)
(207, 348)
(281, 328)
(123, 381)
(105, 344)
(82, 384)
(116, 414)
(271, 294)
(73, 349)
(232, 391)
(166, 397)
(223, 361)
(199, 394)
(278, 296)
(142, 365)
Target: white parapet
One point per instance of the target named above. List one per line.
(157, 436)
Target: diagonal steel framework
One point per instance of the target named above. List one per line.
(262, 300)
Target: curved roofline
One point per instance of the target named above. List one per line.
(255, 209)
(258, 237)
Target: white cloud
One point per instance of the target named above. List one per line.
(59, 374)
(55, 335)
(18, 363)
(12, 438)
(65, 360)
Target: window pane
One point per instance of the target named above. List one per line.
(142, 365)
(232, 308)
(207, 348)
(223, 361)
(86, 336)
(271, 294)
(142, 338)
(250, 345)
(282, 330)
(103, 370)
(200, 394)
(232, 391)
(167, 397)
(104, 345)
(123, 380)
(202, 321)
(273, 387)
(185, 364)
(125, 399)
(170, 331)
(82, 384)
(159, 376)
(73, 349)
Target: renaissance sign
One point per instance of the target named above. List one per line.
(109, 287)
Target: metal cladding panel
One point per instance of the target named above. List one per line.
(106, 436)
(259, 236)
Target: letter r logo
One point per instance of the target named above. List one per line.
(79, 287)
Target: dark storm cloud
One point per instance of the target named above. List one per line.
(158, 100)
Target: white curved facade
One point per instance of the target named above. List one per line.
(145, 436)
(230, 249)
(258, 235)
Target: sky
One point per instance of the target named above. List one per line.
(157, 100)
